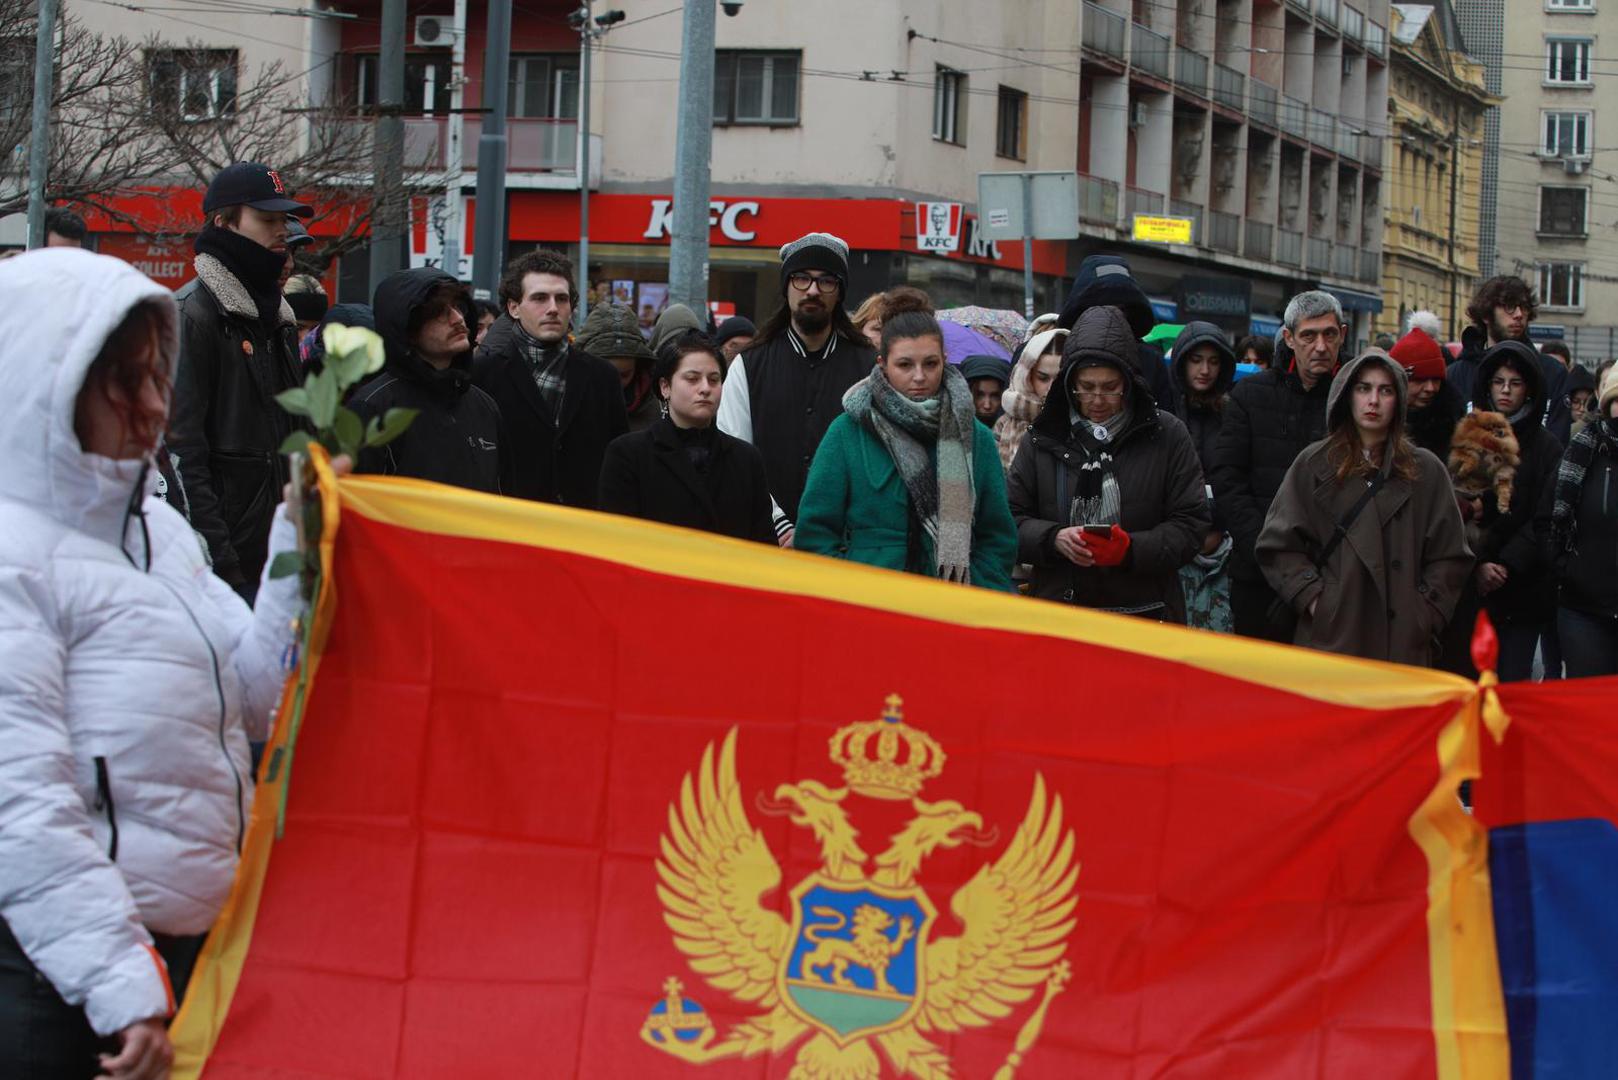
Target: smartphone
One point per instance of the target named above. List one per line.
(1098, 530)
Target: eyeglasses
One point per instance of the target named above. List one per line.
(827, 283)
(1507, 384)
(1103, 395)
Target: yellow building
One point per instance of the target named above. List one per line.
(1436, 102)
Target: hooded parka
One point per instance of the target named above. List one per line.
(456, 435)
(1389, 588)
(611, 331)
(1163, 504)
(131, 677)
(1202, 413)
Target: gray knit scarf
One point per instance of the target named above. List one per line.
(942, 493)
(1598, 437)
(1097, 499)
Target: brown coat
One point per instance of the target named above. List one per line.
(1390, 587)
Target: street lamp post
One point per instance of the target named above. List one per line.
(590, 30)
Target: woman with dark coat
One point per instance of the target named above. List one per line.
(1388, 588)
(907, 478)
(1584, 541)
(1512, 580)
(1204, 369)
(682, 470)
(1106, 490)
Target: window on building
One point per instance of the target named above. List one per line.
(193, 84)
(949, 105)
(1567, 60)
(755, 87)
(1011, 129)
(1567, 134)
(1570, 5)
(1562, 211)
(1561, 284)
(426, 82)
(545, 85)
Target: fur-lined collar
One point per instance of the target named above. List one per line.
(231, 293)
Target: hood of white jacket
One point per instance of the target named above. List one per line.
(60, 305)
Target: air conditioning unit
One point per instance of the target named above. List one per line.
(1137, 115)
(434, 30)
(1575, 166)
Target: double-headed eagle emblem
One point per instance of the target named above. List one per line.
(857, 966)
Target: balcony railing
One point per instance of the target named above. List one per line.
(1183, 209)
(1353, 23)
(1301, 5)
(1224, 231)
(1348, 140)
(1289, 247)
(1257, 243)
(1262, 98)
(1345, 261)
(1098, 200)
(1330, 12)
(1229, 87)
(1294, 117)
(1370, 266)
(1371, 150)
(1376, 39)
(1323, 129)
(1148, 50)
(1140, 201)
(1317, 254)
(1104, 30)
(1191, 70)
(534, 144)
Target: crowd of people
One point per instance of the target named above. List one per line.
(1367, 503)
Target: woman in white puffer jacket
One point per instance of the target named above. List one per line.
(131, 679)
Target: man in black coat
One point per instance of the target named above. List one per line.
(455, 437)
(682, 470)
(1434, 407)
(1268, 419)
(560, 405)
(238, 349)
(784, 391)
(1105, 281)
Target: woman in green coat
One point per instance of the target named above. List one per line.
(907, 478)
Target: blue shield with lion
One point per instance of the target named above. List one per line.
(856, 964)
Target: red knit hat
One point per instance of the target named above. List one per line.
(1419, 355)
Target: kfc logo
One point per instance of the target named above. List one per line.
(938, 226)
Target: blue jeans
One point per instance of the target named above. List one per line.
(1518, 640)
(1589, 643)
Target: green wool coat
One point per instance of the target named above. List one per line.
(855, 506)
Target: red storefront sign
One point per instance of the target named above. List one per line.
(166, 262)
(743, 221)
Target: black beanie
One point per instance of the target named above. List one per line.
(307, 306)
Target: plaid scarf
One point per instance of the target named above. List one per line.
(940, 485)
(1598, 437)
(1097, 499)
(547, 363)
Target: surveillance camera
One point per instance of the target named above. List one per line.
(609, 18)
(731, 7)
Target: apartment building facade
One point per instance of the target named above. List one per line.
(1555, 195)
(1262, 121)
(1435, 154)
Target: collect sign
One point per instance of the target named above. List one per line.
(938, 226)
(1162, 230)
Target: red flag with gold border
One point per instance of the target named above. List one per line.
(575, 795)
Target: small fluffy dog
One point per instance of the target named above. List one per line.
(1484, 455)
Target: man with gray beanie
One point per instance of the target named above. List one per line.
(788, 386)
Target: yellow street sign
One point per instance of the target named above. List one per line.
(1162, 230)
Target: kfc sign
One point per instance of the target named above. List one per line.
(726, 216)
(938, 226)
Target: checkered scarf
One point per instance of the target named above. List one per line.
(1598, 437)
(547, 363)
(941, 490)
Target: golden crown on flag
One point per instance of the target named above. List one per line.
(869, 753)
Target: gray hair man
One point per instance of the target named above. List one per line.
(1269, 418)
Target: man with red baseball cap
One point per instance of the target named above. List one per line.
(1435, 405)
(238, 349)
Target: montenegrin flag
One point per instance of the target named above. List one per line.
(559, 794)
